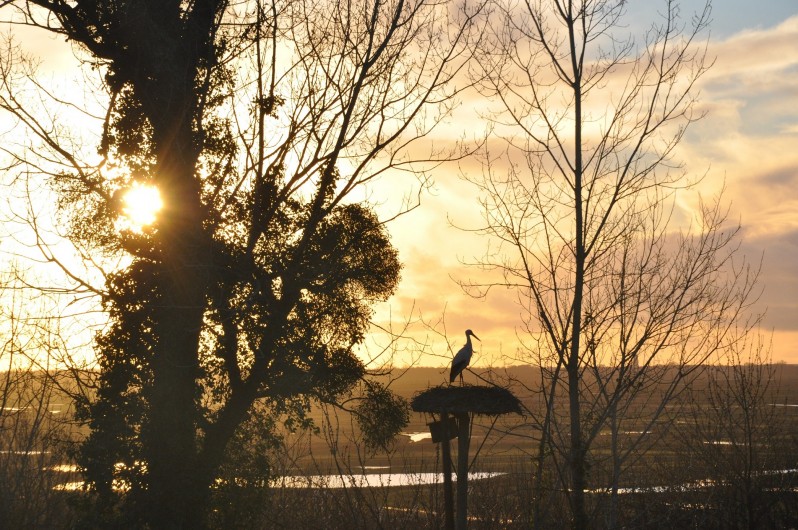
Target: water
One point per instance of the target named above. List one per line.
(688, 486)
(373, 480)
(418, 436)
(383, 480)
(364, 480)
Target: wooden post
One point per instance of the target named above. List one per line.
(448, 499)
(462, 402)
(463, 441)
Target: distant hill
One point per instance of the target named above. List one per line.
(405, 381)
(409, 381)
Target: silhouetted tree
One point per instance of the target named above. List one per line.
(36, 430)
(255, 121)
(621, 304)
(737, 435)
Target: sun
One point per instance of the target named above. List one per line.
(140, 205)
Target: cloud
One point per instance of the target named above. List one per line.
(779, 280)
(752, 57)
(747, 143)
(749, 135)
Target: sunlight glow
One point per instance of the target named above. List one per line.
(140, 205)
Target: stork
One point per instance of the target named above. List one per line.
(462, 358)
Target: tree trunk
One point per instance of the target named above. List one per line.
(174, 494)
(171, 439)
(543, 446)
(446, 455)
(616, 467)
(577, 453)
(171, 444)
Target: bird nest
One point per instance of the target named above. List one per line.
(486, 400)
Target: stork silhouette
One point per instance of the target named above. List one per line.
(462, 358)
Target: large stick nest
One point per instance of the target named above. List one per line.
(486, 400)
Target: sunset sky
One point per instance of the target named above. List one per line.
(749, 140)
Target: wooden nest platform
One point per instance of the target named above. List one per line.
(485, 400)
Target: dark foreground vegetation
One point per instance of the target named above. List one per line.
(696, 471)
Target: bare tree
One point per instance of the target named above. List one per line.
(37, 430)
(738, 437)
(624, 297)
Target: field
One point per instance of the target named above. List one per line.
(683, 474)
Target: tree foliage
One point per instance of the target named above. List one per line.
(381, 415)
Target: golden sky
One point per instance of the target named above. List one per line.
(748, 140)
